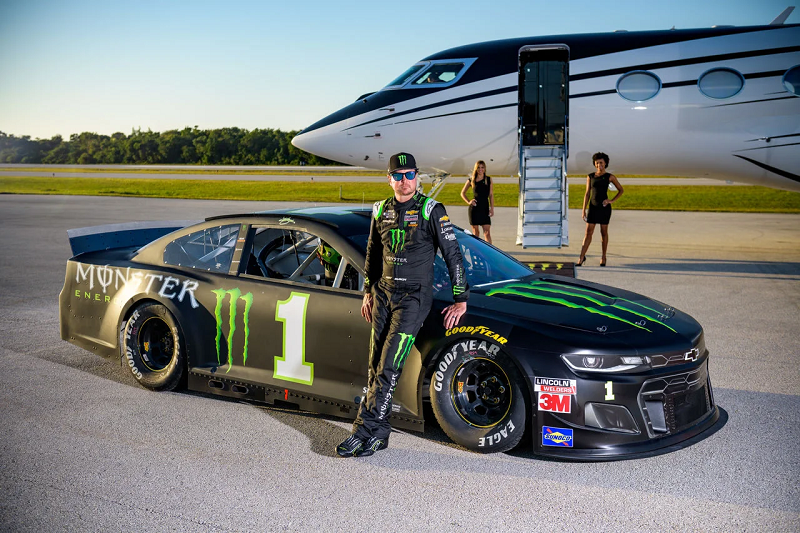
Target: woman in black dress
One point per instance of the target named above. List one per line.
(596, 199)
(481, 207)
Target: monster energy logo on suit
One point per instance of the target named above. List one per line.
(235, 295)
(403, 349)
(398, 240)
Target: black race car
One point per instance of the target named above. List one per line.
(266, 307)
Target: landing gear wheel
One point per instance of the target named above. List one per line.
(153, 349)
(477, 397)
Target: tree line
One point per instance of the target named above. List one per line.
(224, 146)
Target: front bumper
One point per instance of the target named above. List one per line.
(661, 414)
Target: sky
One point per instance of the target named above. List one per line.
(69, 66)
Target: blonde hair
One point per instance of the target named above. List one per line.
(475, 172)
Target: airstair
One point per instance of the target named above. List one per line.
(543, 196)
(543, 119)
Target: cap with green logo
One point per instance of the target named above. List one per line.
(402, 161)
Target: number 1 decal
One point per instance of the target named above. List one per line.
(609, 391)
(292, 365)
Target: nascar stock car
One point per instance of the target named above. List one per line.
(266, 307)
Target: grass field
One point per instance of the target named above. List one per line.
(650, 197)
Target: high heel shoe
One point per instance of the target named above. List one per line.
(603, 262)
(581, 262)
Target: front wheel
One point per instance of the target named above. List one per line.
(477, 398)
(153, 348)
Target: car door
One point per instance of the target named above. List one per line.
(297, 333)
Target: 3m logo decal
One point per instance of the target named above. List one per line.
(235, 296)
(555, 403)
(556, 436)
(398, 240)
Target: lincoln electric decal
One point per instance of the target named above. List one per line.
(104, 281)
(620, 309)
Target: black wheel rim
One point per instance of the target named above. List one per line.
(481, 392)
(156, 344)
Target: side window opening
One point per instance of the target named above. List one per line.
(433, 73)
(210, 249)
(439, 73)
(299, 256)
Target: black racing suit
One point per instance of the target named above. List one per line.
(403, 239)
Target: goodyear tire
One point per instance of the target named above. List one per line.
(153, 349)
(477, 398)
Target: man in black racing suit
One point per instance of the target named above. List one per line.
(404, 235)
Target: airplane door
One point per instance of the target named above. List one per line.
(543, 94)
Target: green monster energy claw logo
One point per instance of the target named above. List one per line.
(403, 349)
(398, 240)
(235, 295)
(402, 159)
(584, 299)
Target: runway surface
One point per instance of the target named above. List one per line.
(318, 174)
(87, 449)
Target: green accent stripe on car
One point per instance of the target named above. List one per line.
(561, 301)
(555, 288)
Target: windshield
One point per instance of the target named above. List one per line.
(482, 262)
(405, 75)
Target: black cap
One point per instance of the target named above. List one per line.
(402, 161)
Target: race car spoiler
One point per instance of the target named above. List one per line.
(110, 236)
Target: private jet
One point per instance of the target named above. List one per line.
(720, 102)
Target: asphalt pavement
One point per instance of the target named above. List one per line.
(85, 448)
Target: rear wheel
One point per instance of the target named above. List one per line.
(477, 398)
(153, 348)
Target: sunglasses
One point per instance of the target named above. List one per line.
(410, 175)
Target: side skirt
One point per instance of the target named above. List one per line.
(218, 385)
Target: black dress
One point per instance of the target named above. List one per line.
(479, 214)
(598, 191)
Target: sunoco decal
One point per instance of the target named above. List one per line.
(577, 298)
(478, 330)
(556, 437)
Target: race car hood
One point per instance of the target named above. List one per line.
(584, 306)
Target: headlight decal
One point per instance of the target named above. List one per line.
(543, 286)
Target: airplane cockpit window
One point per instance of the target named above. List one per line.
(210, 249)
(638, 86)
(440, 73)
(295, 255)
(720, 83)
(436, 73)
(402, 78)
(791, 80)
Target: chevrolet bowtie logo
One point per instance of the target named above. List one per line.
(692, 354)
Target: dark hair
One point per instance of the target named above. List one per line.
(600, 155)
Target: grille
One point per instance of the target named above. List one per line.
(671, 403)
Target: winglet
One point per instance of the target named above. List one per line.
(780, 19)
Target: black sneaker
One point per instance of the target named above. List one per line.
(350, 447)
(373, 445)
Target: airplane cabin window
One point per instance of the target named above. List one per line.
(439, 73)
(791, 80)
(720, 83)
(401, 79)
(638, 86)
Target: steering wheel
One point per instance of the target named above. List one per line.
(274, 245)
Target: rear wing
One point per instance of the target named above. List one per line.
(130, 234)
